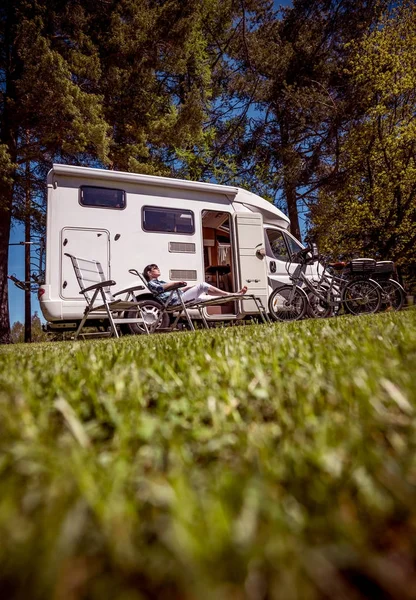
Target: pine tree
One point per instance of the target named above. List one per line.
(160, 64)
(375, 207)
(293, 70)
(48, 109)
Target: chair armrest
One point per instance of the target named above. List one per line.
(130, 289)
(175, 287)
(97, 286)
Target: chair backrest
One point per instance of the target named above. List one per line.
(146, 283)
(89, 272)
(143, 280)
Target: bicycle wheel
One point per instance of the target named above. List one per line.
(392, 295)
(361, 296)
(283, 309)
(320, 309)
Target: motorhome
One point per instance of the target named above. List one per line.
(194, 231)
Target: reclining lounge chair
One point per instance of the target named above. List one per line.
(181, 309)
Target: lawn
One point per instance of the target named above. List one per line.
(258, 462)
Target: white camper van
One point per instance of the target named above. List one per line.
(194, 231)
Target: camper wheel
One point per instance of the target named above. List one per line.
(151, 314)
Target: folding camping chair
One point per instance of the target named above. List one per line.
(92, 282)
(182, 307)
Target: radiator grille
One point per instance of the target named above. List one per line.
(182, 275)
(186, 247)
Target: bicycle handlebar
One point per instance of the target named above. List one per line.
(303, 254)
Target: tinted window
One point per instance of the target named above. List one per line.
(293, 245)
(102, 197)
(277, 244)
(168, 220)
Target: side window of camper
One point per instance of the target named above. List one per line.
(277, 244)
(294, 245)
(168, 220)
(102, 197)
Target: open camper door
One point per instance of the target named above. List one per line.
(249, 235)
(93, 244)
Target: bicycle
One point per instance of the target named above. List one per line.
(393, 294)
(353, 290)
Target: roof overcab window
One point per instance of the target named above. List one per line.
(99, 197)
(168, 220)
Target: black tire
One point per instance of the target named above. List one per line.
(151, 313)
(319, 309)
(281, 310)
(361, 296)
(392, 295)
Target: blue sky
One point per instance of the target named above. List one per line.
(17, 267)
(16, 260)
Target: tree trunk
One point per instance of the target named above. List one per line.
(289, 164)
(8, 138)
(28, 308)
(292, 207)
(5, 222)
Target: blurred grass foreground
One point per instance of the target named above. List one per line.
(259, 462)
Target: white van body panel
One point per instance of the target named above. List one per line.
(252, 270)
(117, 239)
(79, 241)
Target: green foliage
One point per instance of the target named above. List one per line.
(156, 77)
(48, 110)
(17, 332)
(374, 208)
(6, 166)
(215, 154)
(38, 335)
(249, 462)
(67, 119)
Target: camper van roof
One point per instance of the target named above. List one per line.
(247, 199)
(269, 211)
(74, 171)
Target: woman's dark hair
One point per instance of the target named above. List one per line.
(146, 271)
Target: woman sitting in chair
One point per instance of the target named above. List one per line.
(188, 293)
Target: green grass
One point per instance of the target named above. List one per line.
(249, 462)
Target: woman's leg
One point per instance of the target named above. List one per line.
(196, 292)
(217, 292)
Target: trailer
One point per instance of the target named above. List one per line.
(194, 231)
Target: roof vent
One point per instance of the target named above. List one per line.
(182, 275)
(182, 247)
